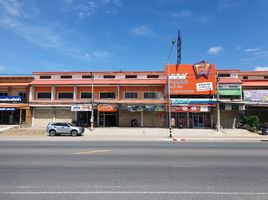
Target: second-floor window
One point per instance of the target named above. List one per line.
(23, 95)
(86, 95)
(43, 95)
(66, 95)
(153, 95)
(3, 94)
(107, 95)
(131, 95)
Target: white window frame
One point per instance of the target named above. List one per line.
(131, 92)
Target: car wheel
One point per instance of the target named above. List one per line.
(74, 133)
(52, 132)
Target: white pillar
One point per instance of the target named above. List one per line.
(75, 94)
(52, 92)
(31, 93)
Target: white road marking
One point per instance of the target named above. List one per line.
(137, 192)
(91, 152)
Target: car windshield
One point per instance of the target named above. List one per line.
(70, 124)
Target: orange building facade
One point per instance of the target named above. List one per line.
(125, 99)
(136, 99)
(192, 94)
(14, 100)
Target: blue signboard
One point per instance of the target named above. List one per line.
(7, 109)
(186, 101)
(10, 98)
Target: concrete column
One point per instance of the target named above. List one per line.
(54, 114)
(98, 118)
(142, 118)
(31, 93)
(75, 93)
(188, 121)
(20, 117)
(52, 92)
(33, 115)
(118, 92)
(75, 115)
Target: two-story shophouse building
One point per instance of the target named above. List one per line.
(14, 101)
(242, 93)
(116, 98)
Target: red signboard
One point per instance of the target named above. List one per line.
(189, 109)
(107, 108)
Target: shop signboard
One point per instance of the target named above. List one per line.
(260, 96)
(189, 79)
(10, 98)
(229, 86)
(229, 90)
(7, 109)
(81, 107)
(189, 109)
(189, 101)
(150, 108)
(206, 86)
(107, 108)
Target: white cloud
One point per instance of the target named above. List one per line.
(98, 54)
(182, 14)
(53, 36)
(252, 50)
(227, 4)
(214, 50)
(259, 68)
(142, 31)
(84, 9)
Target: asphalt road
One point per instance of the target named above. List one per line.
(133, 170)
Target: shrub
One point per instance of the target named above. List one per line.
(253, 123)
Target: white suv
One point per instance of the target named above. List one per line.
(54, 128)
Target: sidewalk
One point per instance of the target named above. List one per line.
(138, 134)
(177, 134)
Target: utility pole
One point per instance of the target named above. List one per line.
(168, 79)
(92, 102)
(218, 103)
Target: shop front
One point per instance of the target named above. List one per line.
(141, 115)
(107, 115)
(12, 111)
(42, 115)
(192, 116)
(256, 103)
(192, 113)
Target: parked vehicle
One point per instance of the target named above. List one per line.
(264, 128)
(54, 128)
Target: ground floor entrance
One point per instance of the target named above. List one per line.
(15, 116)
(107, 119)
(191, 120)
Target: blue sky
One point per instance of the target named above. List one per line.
(97, 35)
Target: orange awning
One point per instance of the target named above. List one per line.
(14, 105)
(229, 80)
(14, 84)
(258, 83)
(100, 82)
